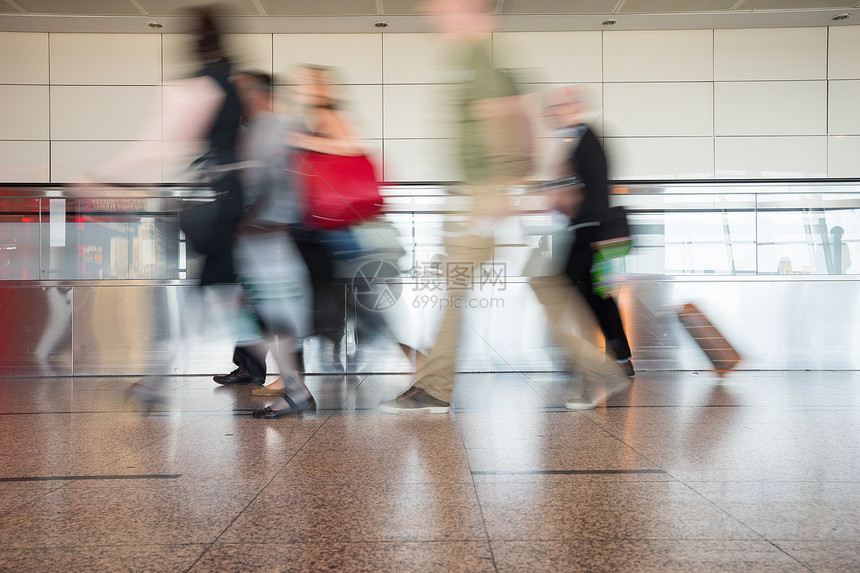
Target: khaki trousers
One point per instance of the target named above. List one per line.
(436, 375)
(566, 312)
(467, 244)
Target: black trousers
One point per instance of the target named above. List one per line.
(605, 309)
(244, 358)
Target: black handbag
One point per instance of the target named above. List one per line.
(612, 238)
(199, 224)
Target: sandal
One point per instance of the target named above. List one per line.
(267, 413)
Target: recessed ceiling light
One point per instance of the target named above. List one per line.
(838, 17)
(609, 22)
(380, 24)
(155, 25)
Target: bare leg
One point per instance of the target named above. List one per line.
(296, 396)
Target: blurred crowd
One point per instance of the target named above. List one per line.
(298, 209)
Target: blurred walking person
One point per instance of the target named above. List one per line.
(272, 273)
(495, 144)
(202, 109)
(566, 111)
(329, 249)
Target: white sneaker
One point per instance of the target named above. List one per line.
(584, 402)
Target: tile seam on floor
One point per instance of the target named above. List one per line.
(734, 517)
(566, 472)
(89, 477)
(477, 497)
(256, 496)
(789, 555)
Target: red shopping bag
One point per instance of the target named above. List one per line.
(339, 190)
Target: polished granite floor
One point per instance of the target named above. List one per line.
(683, 472)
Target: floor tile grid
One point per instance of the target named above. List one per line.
(95, 470)
(810, 548)
(478, 498)
(813, 555)
(215, 543)
(548, 558)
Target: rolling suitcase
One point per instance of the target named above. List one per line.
(721, 354)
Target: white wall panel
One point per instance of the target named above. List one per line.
(770, 54)
(178, 60)
(770, 108)
(843, 156)
(105, 112)
(363, 108)
(419, 111)
(632, 110)
(844, 53)
(569, 57)
(658, 56)
(247, 52)
(357, 57)
(769, 157)
(844, 108)
(106, 59)
(25, 58)
(24, 112)
(250, 51)
(416, 59)
(421, 160)
(25, 161)
(71, 160)
(660, 158)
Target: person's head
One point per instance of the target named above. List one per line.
(208, 44)
(312, 85)
(565, 107)
(459, 18)
(255, 92)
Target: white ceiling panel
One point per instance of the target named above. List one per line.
(795, 4)
(80, 7)
(671, 6)
(355, 16)
(558, 6)
(319, 7)
(400, 7)
(173, 7)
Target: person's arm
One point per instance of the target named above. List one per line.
(253, 155)
(187, 114)
(589, 162)
(335, 139)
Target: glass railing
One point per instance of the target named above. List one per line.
(62, 233)
(743, 229)
(679, 229)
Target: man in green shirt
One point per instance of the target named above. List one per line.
(495, 145)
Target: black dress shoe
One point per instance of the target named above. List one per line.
(309, 405)
(627, 367)
(238, 376)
